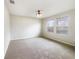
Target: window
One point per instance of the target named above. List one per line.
(62, 25)
(58, 25)
(62, 30)
(62, 21)
(51, 24)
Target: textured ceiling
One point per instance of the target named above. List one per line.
(48, 7)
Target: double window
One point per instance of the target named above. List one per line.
(58, 25)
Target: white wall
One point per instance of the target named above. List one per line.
(68, 39)
(24, 27)
(6, 29)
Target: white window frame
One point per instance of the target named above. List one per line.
(65, 18)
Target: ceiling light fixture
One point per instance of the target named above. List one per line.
(12, 1)
(38, 14)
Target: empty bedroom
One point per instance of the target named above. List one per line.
(39, 29)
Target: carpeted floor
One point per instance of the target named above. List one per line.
(38, 48)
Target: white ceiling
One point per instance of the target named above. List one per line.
(48, 7)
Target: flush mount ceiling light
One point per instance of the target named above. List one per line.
(38, 13)
(12, 1)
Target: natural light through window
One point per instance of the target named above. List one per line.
(51, 24)
(58, 25)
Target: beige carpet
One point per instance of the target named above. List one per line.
(38, 48)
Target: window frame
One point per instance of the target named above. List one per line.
(56, 20)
